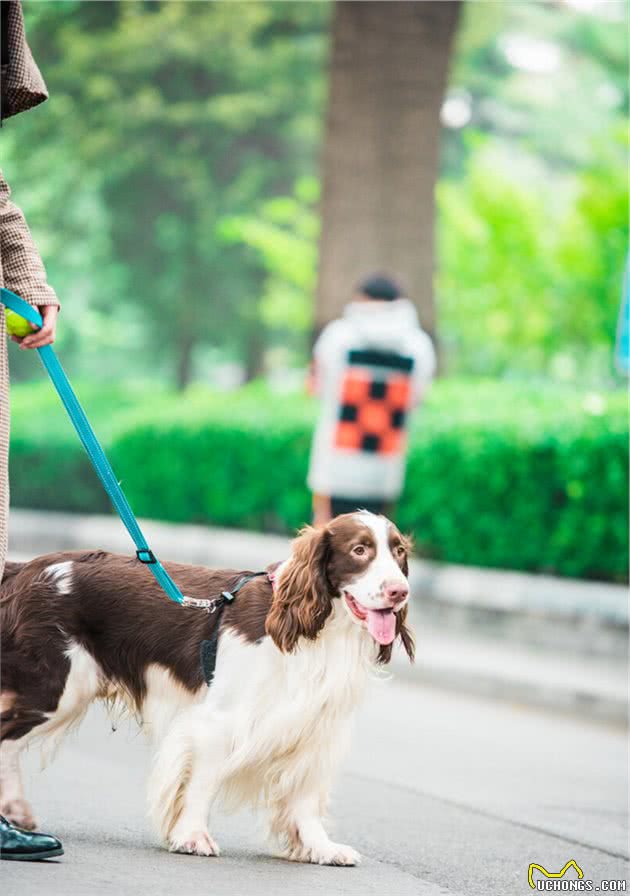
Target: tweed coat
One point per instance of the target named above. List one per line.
(21, 268)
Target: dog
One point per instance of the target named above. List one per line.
(295, 650)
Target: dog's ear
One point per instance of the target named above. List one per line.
(406, 636)
(302, 599)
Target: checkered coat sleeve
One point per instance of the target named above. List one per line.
(22, 84)
(22, 271)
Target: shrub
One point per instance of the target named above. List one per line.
(498, 474)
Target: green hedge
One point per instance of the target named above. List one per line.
(498, 474)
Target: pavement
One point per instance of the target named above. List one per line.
(444, 792)
(441, 793)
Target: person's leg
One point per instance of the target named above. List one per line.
(321, 510)
(13, 803)
(18, 840)
(341, 505)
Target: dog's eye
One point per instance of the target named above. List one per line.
(359, 550)
(400, 550)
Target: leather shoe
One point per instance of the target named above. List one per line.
(26, 846)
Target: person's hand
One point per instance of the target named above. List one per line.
(46, 334)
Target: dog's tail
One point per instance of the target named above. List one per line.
(11, 568)
(170, 775)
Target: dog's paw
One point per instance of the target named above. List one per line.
(336, 854)
(19, 813)
(197, 843)
(327, 854)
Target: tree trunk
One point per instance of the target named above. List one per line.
(255, 352)
(388, 72)
(185, 346)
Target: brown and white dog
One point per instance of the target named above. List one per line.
(294, 656)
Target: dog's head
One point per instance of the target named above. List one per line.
(359, 559)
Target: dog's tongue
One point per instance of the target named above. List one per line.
(382, 625)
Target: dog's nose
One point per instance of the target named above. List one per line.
(395, 591)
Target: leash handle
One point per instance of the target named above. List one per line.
(93, 447)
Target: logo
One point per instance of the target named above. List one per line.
(551, 874)
(555, 881)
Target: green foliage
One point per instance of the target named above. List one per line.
(530, 274)
(170, 117)
(522, 479)
(550, 114)
(590, 253)
(532, 204)
(283, 232)
(171, 182)
(498, 474)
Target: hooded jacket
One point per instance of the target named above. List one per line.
(21, 268)
(372, 367)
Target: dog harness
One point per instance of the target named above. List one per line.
(208, 648)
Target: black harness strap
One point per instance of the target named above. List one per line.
(208, 648)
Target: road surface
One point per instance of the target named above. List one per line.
(442, 794)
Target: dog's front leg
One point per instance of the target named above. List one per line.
(299, 823)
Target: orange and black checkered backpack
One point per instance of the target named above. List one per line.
(375, 398)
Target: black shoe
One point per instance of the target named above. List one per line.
(26, 846)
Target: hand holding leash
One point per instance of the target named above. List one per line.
(41, 341)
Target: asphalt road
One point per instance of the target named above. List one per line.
(441, 794)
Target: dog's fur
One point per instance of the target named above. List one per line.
(293, 660)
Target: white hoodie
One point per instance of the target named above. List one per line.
(390, 327)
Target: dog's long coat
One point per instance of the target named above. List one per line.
(293, 660)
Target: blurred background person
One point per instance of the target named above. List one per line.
(371, 368)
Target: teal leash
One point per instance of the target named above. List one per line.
(97, 456)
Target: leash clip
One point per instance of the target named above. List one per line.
(210, 606)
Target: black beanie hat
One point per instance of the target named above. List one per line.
(379, 286)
